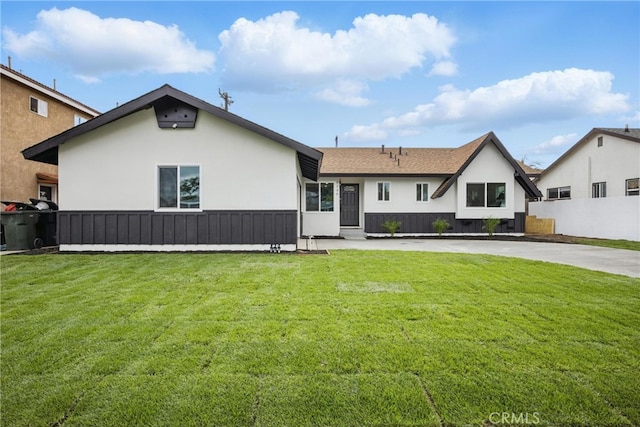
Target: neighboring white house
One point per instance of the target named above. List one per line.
(364, 187)
(592, 189)
(169, 172)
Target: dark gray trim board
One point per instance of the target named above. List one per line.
(177, 228)
(421, 223)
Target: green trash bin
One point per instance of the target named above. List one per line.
(20, 229)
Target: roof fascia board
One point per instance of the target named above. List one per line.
(384, 175)
(50, 93)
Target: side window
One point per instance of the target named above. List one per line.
(475, 195)
(319, 197)
(38, 106)
(631, 187)
(422, 192)
(599, 190)
(179, 187)
(384, 191)
(558, 193)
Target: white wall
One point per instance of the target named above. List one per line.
(115, 166)
(616, 161)
(402, 196)
(490, 166)
(608, 218)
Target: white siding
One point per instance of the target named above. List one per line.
(402, 196)
(616, 161)
(115, 167)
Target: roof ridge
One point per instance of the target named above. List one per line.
(42, 85)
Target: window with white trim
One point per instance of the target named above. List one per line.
(179, 187)
(559, 193)
(598, 190)
(78, 119)
(384, 190)
(47, 192)
(631, 187)
(422, 192)
(319, 197)
(489, 195)
(39, 106)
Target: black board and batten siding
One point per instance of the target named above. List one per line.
(177, 228)
(421, 223)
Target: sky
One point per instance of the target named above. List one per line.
(540, 75)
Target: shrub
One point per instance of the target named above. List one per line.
(391, 226)
(440, 224)
(490, 224)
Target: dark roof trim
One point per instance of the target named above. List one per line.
(618, 133)
(385, 175)
(520, 175)
(47, 151)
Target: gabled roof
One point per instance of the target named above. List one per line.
(417, 162)
(47, 151)
(628, 134)
(46, 90)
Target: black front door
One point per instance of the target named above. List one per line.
(349, 205)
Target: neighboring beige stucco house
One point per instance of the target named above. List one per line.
(31, 112)
(592, 189)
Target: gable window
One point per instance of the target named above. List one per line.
(490, 195)
(600, 141)
(631, 187)
(78, 120)
(179, 187)
(47, 192)
(319, 197)
(422, 192)
(599, 190)
(383, 191)
(559, 193)
(39, 106)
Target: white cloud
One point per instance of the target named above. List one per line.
(274, 53)
(537, 97)
(557, 144)
(92, 46)
(366, 133)
(345, 92)
(444, 68)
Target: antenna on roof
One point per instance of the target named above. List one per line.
(626, 128)
(227, 99)
(336, 141)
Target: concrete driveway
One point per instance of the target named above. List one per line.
(616, 261)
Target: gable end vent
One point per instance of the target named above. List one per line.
(173, 114)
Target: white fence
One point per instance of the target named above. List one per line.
(606, 218)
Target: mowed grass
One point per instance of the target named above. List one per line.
(356, 338)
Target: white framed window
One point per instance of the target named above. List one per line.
(78, 119)
(384, 191)
(600, 141)
(179, 187)
(559, 193)
(39, 106)
(599, 190)
(48, 192)
(631, 187)
(319, 197)
(422, 192)
(489, 195)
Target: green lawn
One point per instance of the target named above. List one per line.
(355, 338)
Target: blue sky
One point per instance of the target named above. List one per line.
(413, 74)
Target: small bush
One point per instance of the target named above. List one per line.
(490, 224)
(391, 226)
(440, 224)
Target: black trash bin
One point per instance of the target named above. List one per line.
(47, 226)
(20, 226)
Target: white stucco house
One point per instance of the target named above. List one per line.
(592, 189)
(170, 172)
(364, 187)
